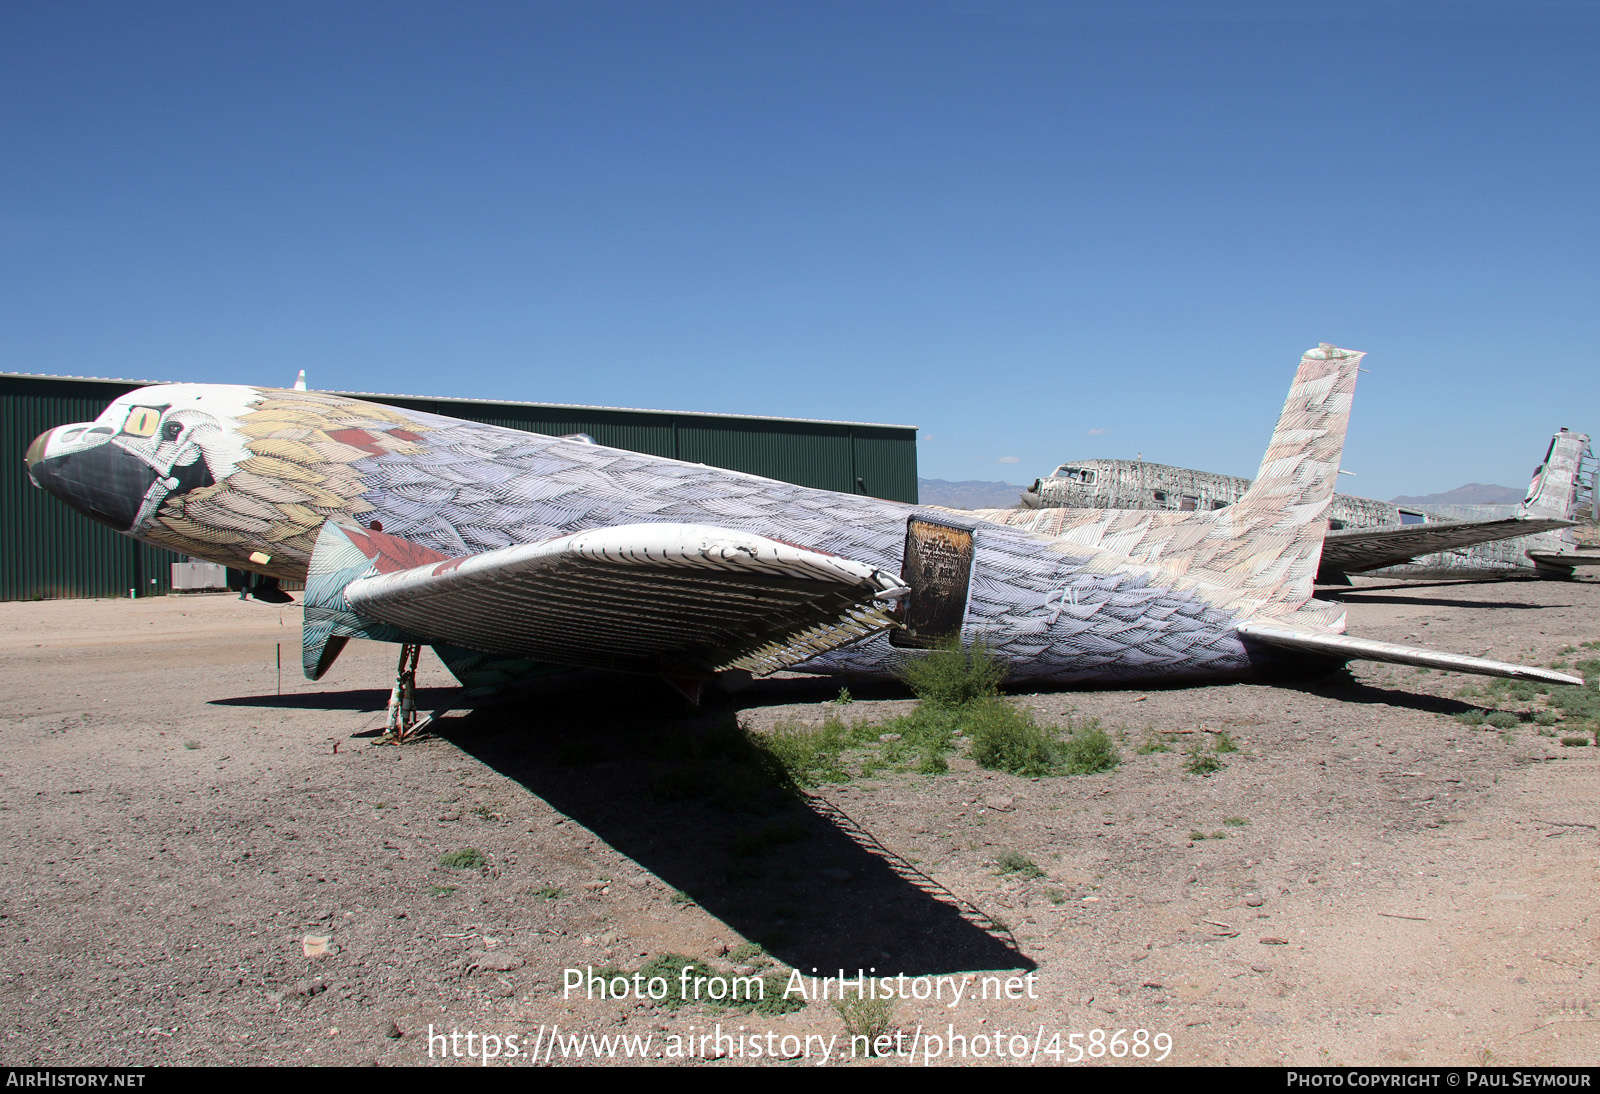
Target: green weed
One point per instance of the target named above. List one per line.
(468, 858)
(1005, 739)
(866, 1020)
(1013, 863)
(954, 675)
(1200, 762)
(1089, 751)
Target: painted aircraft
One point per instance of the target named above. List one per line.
(507, 550)
(1536, 538)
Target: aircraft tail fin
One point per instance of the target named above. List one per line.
(1557, 489)
(1267, 544)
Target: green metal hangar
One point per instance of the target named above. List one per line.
(49, 551)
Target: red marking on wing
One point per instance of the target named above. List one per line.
(448, 565)
(404, 434)
(357, 438)
(391, 553)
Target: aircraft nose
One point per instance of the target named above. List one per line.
(97, 478)
(36, 453)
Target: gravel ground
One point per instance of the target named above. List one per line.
(204, 866)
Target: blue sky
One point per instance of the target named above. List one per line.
(1036, 230)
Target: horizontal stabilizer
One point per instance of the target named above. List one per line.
(1357, 550)
(640, 597)
(1343, 647)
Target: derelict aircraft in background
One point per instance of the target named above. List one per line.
(507, 551)
(1538, 538)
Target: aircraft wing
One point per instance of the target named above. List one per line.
(674, 598)
(1357, 550)
(1344, 647)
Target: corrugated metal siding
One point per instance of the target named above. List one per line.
(809, 455)
(47, 550)
(885, 463)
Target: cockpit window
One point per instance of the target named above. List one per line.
(142, 421)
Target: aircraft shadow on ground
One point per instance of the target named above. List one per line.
(365, 699)
(1341, 685)
(1366, 596)
(692, 800)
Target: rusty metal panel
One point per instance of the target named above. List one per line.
(938, 569)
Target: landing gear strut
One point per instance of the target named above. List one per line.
(401, 722)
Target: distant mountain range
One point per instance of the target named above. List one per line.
(1474, 493)
(968, 495)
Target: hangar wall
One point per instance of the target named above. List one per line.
(49, 551)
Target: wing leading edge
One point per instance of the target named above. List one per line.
(669, 598)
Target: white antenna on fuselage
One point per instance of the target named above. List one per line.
(300, 381)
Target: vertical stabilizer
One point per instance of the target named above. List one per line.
(1267, 544)
(1555, 487)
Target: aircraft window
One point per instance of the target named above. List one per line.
(1187, 503)
(1335, 525)
(1219, 505)
(1086, 477)
(142, 421)
(172, 431)
(1159, 495)
(1409, 516)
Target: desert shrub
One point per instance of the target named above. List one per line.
(954, 675)
(807, 755)
(1006, 739)
(1088, 751)
(1503, 719)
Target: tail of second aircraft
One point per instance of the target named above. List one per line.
(1556, 486)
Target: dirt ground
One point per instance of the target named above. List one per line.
(1375, 883)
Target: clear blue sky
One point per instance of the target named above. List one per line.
(1012, 223)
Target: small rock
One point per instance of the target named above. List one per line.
(1271, 941)
(307, 989)
(719, 948)
(1000, 803)
(1251, 900)
(499, 961)
(610, 938)
(392, 1031)
(316, 945)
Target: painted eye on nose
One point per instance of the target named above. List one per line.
(172, 431)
